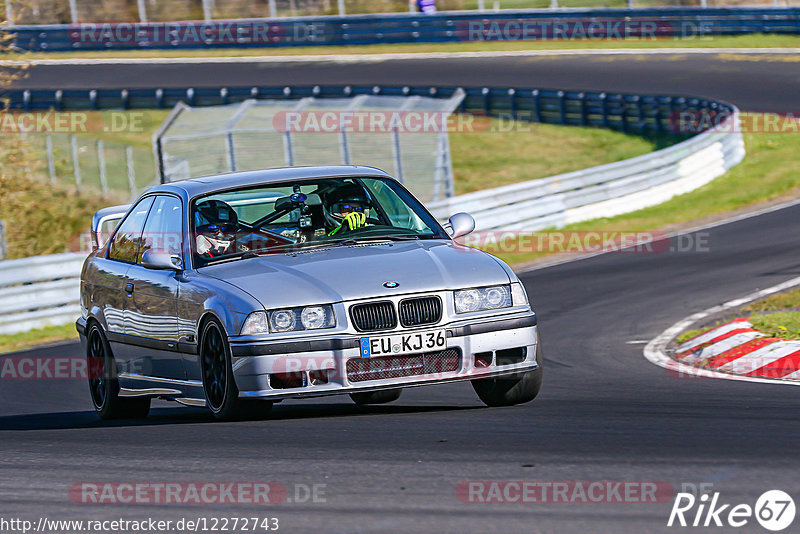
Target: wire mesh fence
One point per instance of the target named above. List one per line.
(406, 135)
(86, 163)
(75, 11)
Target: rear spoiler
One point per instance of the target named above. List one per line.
(104, 222)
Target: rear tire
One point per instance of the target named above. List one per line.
(508, 391)
(376, 397)
(104, 384)
(219, 386)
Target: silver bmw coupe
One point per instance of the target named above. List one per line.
(239, 290)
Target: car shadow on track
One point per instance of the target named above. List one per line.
(177, 416)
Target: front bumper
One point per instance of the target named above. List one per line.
(495, 346)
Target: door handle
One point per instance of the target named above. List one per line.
(129, 289)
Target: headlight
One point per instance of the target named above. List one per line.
(282, 320)
(482, 298)
(289, 320)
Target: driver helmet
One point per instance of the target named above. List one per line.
(216, 224)
(345, 199)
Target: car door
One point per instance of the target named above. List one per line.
(111, 276)
(151, 304)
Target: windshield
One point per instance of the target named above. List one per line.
(286, 217)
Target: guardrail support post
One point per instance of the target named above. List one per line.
(76, 165)
(3, 246)
(73, 11)
(341, 8)
(562, 106)
(273, 10)
(9, 13)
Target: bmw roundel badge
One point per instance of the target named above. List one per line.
(390, 285)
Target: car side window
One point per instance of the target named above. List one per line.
(400, 215)
(127, 240)
(164, 227)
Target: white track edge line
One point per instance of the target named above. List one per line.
(358, 58)
(655, 351)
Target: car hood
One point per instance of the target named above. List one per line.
(353, 272)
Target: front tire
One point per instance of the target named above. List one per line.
(219, 386)
(508, 391)
(376, 397)
(104, 384)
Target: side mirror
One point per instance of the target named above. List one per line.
(461, 224)
(161, 260)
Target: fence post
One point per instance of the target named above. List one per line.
(76, 164)
(273, 9)
(341, 8)
(142, 10)
(553, 4)
(101, 163)
(3, 246)
(481, 5)
(630, 4)
(131, 170)
(345, 146)
(73, 11)
(51, 164)
(9, 13)
(288, 149)
(207, 9)
(230, 148)
(398, 156)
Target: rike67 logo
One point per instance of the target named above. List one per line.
(774, 510)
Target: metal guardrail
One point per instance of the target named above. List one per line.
(453, 26)
(654, 114)
(39, 291)
(606, 190)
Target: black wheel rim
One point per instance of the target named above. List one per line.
(98, 381)
(214, 368)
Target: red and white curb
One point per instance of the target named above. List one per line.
(732, 351)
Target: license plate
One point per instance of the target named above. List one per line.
(398, 344)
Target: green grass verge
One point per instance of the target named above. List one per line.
(40, 336)
(723, 41)
(501, 155)
(781, 301)
(770, 170)
(784, 324)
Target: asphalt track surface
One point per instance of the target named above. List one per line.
(604, 413)
(755, 82)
